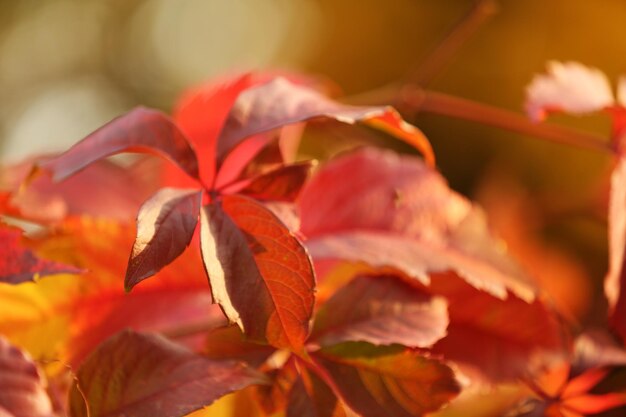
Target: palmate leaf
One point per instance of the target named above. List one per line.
(19, 264)
(140, 130)
(279, 102)
(141, 375)
(382, 310)
(165, 226)
(259, 272)
(22, 386)
(388, 381)
(402, 214)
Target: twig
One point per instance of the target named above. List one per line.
(445, 50)
(414, 100)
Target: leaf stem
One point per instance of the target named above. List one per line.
(194, 328)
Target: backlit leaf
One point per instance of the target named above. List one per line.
(259, 272)
(66, 317)
(19, 264)
(381, 310)
(395, 211)
(281, 184)
(140, 130)
(165, 226)
(505, 334)
(312, 398)
(388, 381)
(279, 102)
(138, 375)
(568, 87)
(22, 386)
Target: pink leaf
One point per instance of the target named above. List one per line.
(19, 264)
(140, 130)
(568, 87)
(165, 226)
(259, 272)
(381, 310)
(139, 375)
(395, 211)
(279, 103)
(22, 386)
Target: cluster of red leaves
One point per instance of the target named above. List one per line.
(367, 287)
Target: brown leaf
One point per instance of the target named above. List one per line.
(259, 272)
(19, 264)
(22, 386)
(279, 102)
(395, 211)
(311, 397)
(165, 226)
(388, 382)
(381, 310)
(141, 375)
(140, 130)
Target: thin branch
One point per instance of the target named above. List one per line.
(414, 100)
(445, 50)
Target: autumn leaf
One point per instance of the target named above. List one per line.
(311, 397)
(65, 318)
(388, 381)
(506, 334)
(165, 226)
(402, 214)
(22, 385)
(121, 190)
(381, 310)
(137, 375)
(259, 272)
(19, 264)
(279, 102)
(140, 130)
(281, 184)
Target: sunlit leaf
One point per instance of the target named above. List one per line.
(165, 226)
(19, 264)
(388, 381)
(395, 211)
(64, 318)
(279, 102)
(259, 272)
(381, 310)
(22, 386)
(140, 375)
(281, 184)
(140, 130)
(568, 87)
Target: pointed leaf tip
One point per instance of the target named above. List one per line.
(165, 226)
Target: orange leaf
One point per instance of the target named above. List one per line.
(259, 272)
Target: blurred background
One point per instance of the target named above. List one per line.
(68, 66)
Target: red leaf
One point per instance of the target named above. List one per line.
(66, 317)
(138, 375)
(615, 280)
(259, 272)
(505, 334)
(165, 226)
(279, 103)
(22, 386)
(19, 264)
(140, 130)
(312, 398)
(201, 113)
(120, 191)
(400, 213)
(230, 343)
(381, 310)
(569, 87)
(281, 184)
(388, 382)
